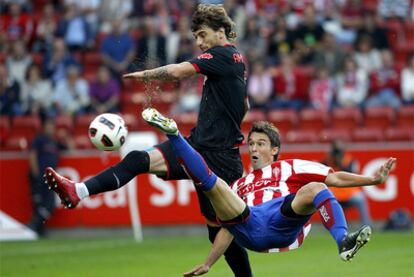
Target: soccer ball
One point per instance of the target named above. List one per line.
(108, 131)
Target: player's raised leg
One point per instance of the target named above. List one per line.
(316, 196)
(227, 205)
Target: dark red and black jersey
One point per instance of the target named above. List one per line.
(222, 105)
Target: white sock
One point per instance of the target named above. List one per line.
(81, 190)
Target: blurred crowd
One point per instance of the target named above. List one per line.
(68, 56)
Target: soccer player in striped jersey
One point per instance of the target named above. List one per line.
(269, 209)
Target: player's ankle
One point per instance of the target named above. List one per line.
(81, 190)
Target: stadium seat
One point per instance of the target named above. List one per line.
(83, 142)
(301, 136)
(16, 143)
(368, 135)
(26, 126)
(250, 117)
(131, 121)
(186, 122)
(379, 117)
(64, 122)
(313, 119)
(400, 134)
(284, 120)
(329, 135)
(346, 118)
(82, 123)
(405, 116)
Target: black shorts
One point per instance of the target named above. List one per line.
(226, 164)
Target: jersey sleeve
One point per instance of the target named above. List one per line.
(309, 171)
(211, 62)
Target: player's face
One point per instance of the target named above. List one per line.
(206, 38)
(261, 151)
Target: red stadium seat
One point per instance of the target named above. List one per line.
(284, 120)
(368, 135)
(83, 142)
(301, 136)
(379, 117)
(312, 119)
(346, 118)
(400, 134)
(329, 135)
(82, 123)
(250, 117)
(16, 143)
(405, 116)
(26, 126)
(64, 122)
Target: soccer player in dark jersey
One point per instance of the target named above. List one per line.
(216, 135)
(269, 209)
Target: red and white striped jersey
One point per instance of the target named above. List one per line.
(279, 179)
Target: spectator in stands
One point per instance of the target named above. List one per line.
(385, 84)
(151, 46)
(371, 28)
(339, 160)
(56, 61)
(118, 49)
(367, 57)
(45, 30)
(351, 20)
(44, 152)
(390, 9)
(280, 42)
(74, 29)
(71, 95)
(289, 86)
(309, 31)
(180, 43)
(330, 55)
(352, 85)
(104, 92)
(253, 43)
(407, 82)
(9, 94)
(16, 25)
(321, 90)
(36, 94)
(89, 9)
(259, 86)
(111, 10)
(18, 61)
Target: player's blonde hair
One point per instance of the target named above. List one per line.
(215, 17)
(271, 132)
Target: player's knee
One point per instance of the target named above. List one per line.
(136, 161)
(310, 190)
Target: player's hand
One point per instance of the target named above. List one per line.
(197, 271)
(139, 75)
(384, 171)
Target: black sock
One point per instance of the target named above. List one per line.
(114, 177)
(235, 255)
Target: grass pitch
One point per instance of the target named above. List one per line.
(387, 254)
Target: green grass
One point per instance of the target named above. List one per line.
(387, 254)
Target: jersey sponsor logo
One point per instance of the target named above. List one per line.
(324, 213)
(237, 58)
(245, 188)
(205, 56)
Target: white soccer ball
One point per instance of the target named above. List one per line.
(108, 131)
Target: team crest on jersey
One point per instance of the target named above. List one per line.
(238, 58)
(205, 56)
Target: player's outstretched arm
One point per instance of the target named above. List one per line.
(346, 179)
(221, 243)
(171, 72)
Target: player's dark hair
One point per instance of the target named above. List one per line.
(215, 17)
(270, 130)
